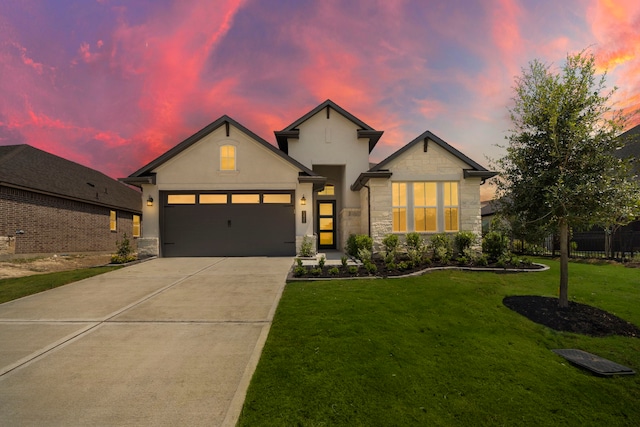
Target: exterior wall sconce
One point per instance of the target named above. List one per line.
(303, 201)
(150, 201)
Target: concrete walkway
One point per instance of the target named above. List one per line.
(172, 341)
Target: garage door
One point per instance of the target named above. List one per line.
(258, 223)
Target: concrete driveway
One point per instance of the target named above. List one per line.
(172, 341)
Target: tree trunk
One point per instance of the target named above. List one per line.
(564, 264)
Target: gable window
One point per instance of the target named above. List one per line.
(425, 207)
(136, 226)
(228, 158)
(113, 221)
(399, 206)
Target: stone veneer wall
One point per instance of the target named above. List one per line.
(350, 223)
(381, 219)
(55, 225)
(313, 238)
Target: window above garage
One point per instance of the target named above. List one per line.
(228, 158)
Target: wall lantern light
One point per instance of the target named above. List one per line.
(150, 201)
(303, 201)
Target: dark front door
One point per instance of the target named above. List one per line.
(326, 224)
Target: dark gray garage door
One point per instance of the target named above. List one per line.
(254, 223)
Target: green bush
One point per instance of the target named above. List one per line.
(414, 241)
(356, 242)
(124, 253)
(353, 269)
(322, 261)
(343, 260)
(371, 267)
(364, 255)
(316, 271)
(390, 243)
(463, 240)
(299, 271)
(306, 247)
(334, 271)
(440, 244)
(495, 245)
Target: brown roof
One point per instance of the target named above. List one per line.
(26, 167)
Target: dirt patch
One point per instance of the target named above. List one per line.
(30, 266)
(577, 318)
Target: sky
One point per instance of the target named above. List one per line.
(112, 84)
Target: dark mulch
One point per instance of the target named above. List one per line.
(577, 318)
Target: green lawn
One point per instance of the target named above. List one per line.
(441, 349)
(19, 287)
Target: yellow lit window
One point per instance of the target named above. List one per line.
(213, 199)
(329, 190)
(181, 199)
(399, 206)
(136, 226)
(228, 158)
(245, 198)
(451, 206)
(113, 222)
(276, 198)
(425, 206)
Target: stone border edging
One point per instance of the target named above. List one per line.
(545, 267)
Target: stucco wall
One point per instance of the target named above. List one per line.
(333, 141)
(198, 168)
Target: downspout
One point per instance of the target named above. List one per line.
(368, 209)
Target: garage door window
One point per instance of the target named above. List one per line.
(245, 198)
(276, 198)
(213, 199)
(181, 199)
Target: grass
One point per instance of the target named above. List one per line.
(19, 287)
(441, 349)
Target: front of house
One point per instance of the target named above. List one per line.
(225, 191)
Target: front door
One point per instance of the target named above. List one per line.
(327, 224)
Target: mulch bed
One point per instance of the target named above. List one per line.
(577, 318)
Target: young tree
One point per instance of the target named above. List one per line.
(560, 172)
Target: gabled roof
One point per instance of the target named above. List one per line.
(146, 175)
(475, 170)
(28, 168)
(292, 131)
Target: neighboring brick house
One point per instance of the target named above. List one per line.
(226, 191)
(52, 205)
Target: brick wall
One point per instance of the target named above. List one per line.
(55, 225)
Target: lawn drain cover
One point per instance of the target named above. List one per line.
(595, 364)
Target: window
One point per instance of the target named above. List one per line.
(213, 199)
(329, 190)
(181, 199)
(113, 221)
(427, 207)
(276, 198)
(425, 202)
(245, 198)
(136, 226)
(399, 206)
(450, 206)
(228, 158)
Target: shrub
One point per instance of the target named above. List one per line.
(463, 240)
(299, 271)
(343, 260)
(370, 267)
(414, 241)
(482, 260)
(298, 262)
(124, 253)
(356, 242)
(495, 245)
(316, 271)
(390, 243)
(441, 246)
(402, 265)
(353, 269)
(364, 255)
(322, 261)
(334, 271)
(306, 247)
